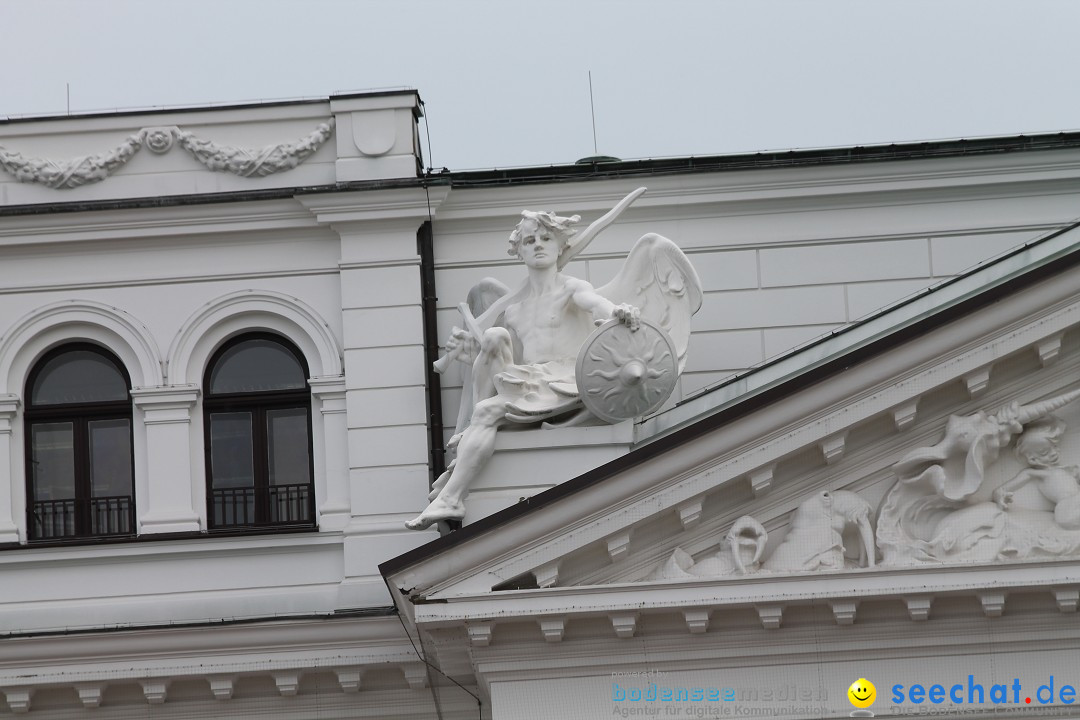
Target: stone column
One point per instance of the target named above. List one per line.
(168, 504)
(333, 494)
(9, 475)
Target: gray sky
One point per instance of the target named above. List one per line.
(505, 81)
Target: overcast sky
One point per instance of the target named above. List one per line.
(505, 82)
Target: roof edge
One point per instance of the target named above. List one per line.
(202, 107)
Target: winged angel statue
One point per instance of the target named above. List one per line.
(534, 356)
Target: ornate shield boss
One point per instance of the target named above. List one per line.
(623, 374)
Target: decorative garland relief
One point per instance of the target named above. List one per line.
(219, 158)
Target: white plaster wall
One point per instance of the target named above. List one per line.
(781, 262)
(181, 279)
(159, 283)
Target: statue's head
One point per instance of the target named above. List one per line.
(546, 223)
(1038, 446)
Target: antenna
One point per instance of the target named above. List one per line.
(68, 86)
(592, 109)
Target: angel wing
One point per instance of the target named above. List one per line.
(484, 294)
(658, 279)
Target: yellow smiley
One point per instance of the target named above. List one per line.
(862, 693)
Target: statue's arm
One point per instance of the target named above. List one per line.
(586, 298)
(1003, 496)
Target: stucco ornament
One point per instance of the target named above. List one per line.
(159, 140)
(935, 511)
(247, 163)
(522, 349)
(814, 541)
(67, 174)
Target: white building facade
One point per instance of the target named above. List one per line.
(277, 278)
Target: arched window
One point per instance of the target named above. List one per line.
(78, 445)
(257, 416)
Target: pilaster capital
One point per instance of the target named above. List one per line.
(9, 406)
(168, 404)
(330, 392)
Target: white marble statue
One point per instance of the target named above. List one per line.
(934, 512)
(814, 541)
(523, 349)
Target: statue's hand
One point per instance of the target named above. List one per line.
(1003, 498)
(628, 315)
(462, 345)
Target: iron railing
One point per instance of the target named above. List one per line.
(275, 505)
(97, 517)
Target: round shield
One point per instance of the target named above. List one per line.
(624, 373)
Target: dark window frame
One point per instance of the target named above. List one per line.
(80, 415)
(258, 403)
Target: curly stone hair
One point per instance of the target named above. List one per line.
(1040, 437)
(561, 228)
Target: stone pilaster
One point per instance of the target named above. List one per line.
(169, 503)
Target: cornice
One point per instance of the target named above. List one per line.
(378, 635)
(760, 591)
(769, 189)
(198, 219)
(189, 549)
(389, 206)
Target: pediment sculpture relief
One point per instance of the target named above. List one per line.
(559, 351)
(938, 511)
(934, 512)
(814, 541)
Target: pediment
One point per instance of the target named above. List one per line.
(606, 542)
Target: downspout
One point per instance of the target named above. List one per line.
(425, 249)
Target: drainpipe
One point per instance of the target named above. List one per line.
(424, 248)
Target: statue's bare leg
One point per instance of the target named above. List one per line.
(496, 352)
(476, 443)
(474, 450)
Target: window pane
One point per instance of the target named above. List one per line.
(230, 450)
(78, 376)
(257, 365)
(53, 459)
(110, 458)
(287, 452)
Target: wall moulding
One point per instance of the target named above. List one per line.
(244, 311)
(48, 326)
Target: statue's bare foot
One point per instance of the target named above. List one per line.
(439, 509)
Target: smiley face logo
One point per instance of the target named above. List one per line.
(862, 693)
